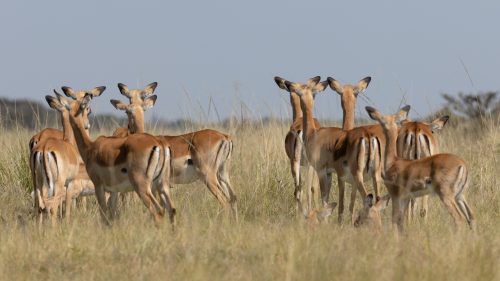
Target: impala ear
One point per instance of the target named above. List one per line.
(124, 90)
(53, 102)
(320, 87)
(149, 90)
(69, 92)
(149, 102)
(281, 83)
(313, 81)
(362, 85)
(335, 85)
(439, 123)
(373, 113)
(293, 87)
(402, 114)
(119, 105)
(97, 91)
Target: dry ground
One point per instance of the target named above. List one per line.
(268, 243)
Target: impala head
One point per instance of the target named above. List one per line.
(370, 214)
(140, 101)
(349, 93)
(314, 217)
(307, 91)
(294, 97)
(78, 95)
(388, 122)
(79, 109)
(62, 105)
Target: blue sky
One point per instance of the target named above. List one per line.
(226, 53)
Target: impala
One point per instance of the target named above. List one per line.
(82, 186)
(409, 147)
(364, 146)
(370, 214)
(138, 162)
(443, 174)
(325, 147)
(55, 164)
(198, 155)
(416, 140)
(293, 139)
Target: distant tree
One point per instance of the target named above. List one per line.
(474, 106)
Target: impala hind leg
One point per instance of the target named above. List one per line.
(223, 178)
(341, 184)
(143, 188)
(465, 210)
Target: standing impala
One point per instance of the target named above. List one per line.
(325, 147)
(365, 145)
(82, 185)
(201, 155)
(138, 162)
(416, 140)
(443, 174)
(55, 163)
(293, 139)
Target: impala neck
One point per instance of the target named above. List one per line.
(296, 110)
(348, 108)
(67, 130)
(391, 135)
(307, 120)
(136, 122)
(83, 141)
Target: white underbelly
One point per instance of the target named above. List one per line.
(183, 171)
(124, 186)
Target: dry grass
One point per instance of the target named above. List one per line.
(268, 243)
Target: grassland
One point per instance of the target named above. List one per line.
(269, 242)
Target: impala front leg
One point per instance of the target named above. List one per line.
(101, 200)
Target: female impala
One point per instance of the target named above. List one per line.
(55, 164)
(293, 139)
(82, 185)
(416, 140)
(198, 155)
(425, 145)
(138, 162)
(443, 174)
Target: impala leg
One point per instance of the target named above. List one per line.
(453, 209)
(101, 200)
(425, 206)
(112, 205)
(325, 184)
(69, 196)
(359, 185)
(223, 177)
(341, 184)
(168, 204)
(397, 213)
(308, 189)
(466, 211)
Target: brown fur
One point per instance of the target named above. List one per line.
(443, 174)
(138, 162)
(293, 143)
(416, 140)
(198, 155)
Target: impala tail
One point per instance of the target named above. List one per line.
(45, 175)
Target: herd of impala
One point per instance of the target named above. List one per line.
(404, 155)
